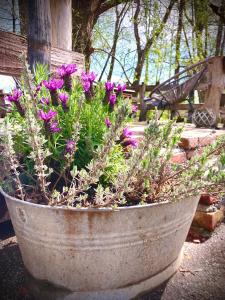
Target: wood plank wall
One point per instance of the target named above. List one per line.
(13, 45)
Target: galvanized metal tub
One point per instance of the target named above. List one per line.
(102, 253)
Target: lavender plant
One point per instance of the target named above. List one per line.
(68, 142)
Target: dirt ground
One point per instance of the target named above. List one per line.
(200, 277)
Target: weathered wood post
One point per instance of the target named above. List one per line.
(216, 73)
(39, 32)
(143, 105)
(61, 16)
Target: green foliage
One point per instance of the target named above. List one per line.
(87, 163)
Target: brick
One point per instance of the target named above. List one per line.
(208, 221)
(193, 152)
(207, 199)
(179, 157)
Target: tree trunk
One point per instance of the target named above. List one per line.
(143, 106)
(201, 19)
(222, 52)
(219, 37)
(142, 52)
(39, 32)
(61, 16)
(178, 37)
(84, 19)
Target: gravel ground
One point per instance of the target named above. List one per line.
(200, 277)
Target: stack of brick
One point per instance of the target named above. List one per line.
(210, 211)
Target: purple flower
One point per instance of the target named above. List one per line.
(88, 76)
(70, 146)
(134, 108)
(109, 86)
(47, 117)
(130, 142)
(15, 96)
(108, 123)
(121, 88)
(53, 84)
(112, 100)
(65, 70)
(63, 98)
(44, 101)
(54, 127)
(38, 88)
(127, 133)
(86, 86)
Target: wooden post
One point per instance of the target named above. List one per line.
(216, 74)
(143, 105)
(39, 32)
(61, 15)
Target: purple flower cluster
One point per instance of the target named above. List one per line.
(63, 97)
(109, 97)
(120, 88)
(15, 98)
(108, 122)
(54, 127)
(87, 82)
(109, 86)
(134, 108)
(66, 70)
(44, 101)
(70, 146)
(50, 124)
(127, 138)
(54, 84)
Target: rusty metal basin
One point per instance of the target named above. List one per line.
(102, 253)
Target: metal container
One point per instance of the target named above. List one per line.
(102, 253)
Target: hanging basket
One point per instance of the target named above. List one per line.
(205, 118)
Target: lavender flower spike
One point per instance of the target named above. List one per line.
(44, 101)
(112, 100)
(130, 142)
(64, 99)
(53, 84)
(15, 98)
(47, 116)
(65, 70)
(54, 127)
(121, 88)
(108, 123)
(70, 146)
(109, 86)
(127, 133)
(134, 108)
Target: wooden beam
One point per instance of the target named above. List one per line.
(216, 75)
(39, 32)
(61, 16)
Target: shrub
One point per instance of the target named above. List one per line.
(67, 143)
